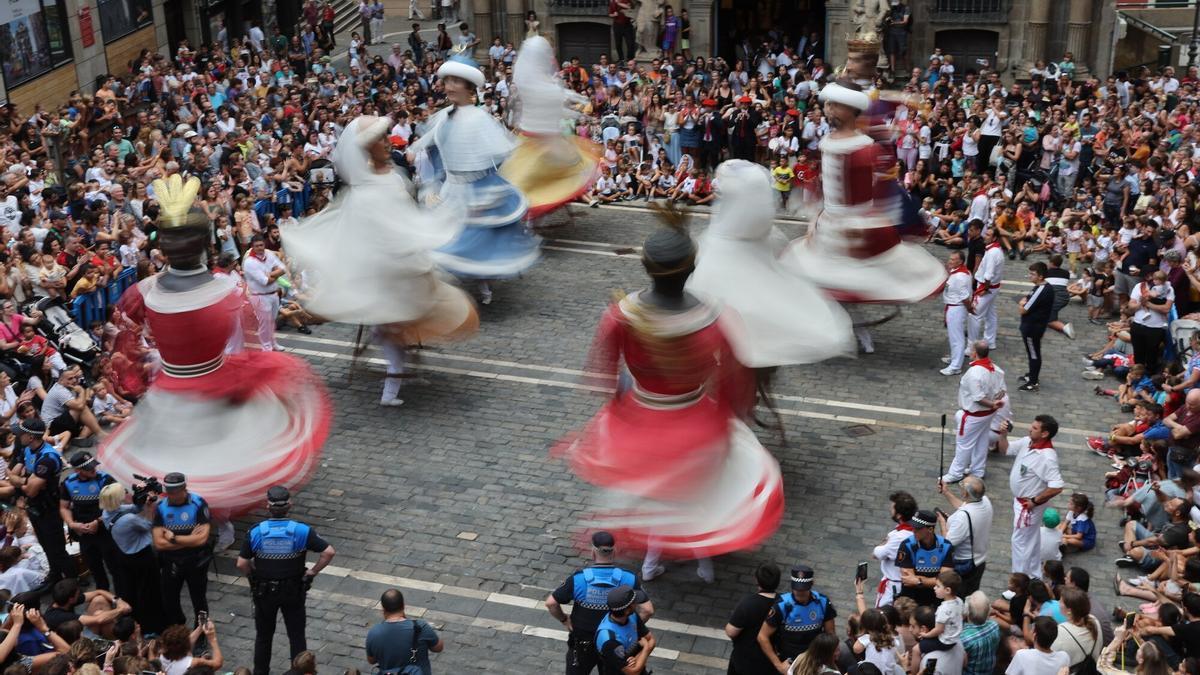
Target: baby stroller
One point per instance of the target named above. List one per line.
(74, 343)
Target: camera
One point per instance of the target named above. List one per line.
(149, 487)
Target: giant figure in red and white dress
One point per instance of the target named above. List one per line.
(683, 476)
(854, 249)
(235, 424)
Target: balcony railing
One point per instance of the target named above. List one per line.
(975, 11)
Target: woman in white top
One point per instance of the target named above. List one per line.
(1079, 637)
(176, 643)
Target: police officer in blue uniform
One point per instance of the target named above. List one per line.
(587, 593)
(273, 557)
(797, 617)
(79, 506)
(181, 529)
(622, 639)
(36, 477)
(921, 558)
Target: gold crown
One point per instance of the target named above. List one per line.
(865, 43)
(175, 198)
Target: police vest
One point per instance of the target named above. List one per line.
(84, 495)
(626, 634)
(802, 618)
(279, 547)
(593, 584)
(48, 497)
(928, 562)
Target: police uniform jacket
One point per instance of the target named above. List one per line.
(45, 463)
(614, 640)
(925, 562)
(182, 520)
(84, 495)
(587, 593)
(278, 547)
(796, 624)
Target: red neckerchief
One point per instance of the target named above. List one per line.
(986, 363)
(261, 258)
(1040, 445)
(904, 526)
(960, 269)
(994, 244)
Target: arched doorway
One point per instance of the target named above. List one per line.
(585, 39)
(972, 49)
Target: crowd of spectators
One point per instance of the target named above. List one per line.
(1098, 176)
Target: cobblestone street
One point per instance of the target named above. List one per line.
(454, 498)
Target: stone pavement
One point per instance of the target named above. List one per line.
(454, 499)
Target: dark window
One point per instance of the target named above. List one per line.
(119, 18)
(33, 39)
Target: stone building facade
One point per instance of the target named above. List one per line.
(1010, 35)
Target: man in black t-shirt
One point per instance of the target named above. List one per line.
(747, 618)
(1187, 633)
(101, 612)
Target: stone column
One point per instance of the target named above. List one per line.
(1035, 36)
(1079, 25)
(837, 31)
(700, 14)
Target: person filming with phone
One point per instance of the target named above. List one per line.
(968, 529)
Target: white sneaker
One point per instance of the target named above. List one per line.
(949, 371)
(946, 359)
(653, 573)
(1087, 361)
(951, 478)
(1092, 374)
(391, 403)
(1069, 331)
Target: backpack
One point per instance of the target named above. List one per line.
(1088, 665)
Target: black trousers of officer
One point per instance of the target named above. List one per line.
(176, 572)
(143, 588)
(273, 597)
(582, 656)
(48, 527)
(99, 551)
(710, 153)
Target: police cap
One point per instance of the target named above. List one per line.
(33, 425)
(603, 541)
(174, 481)
(623, 596)
(923, 518)
(83, 460)
(802, 577)
(278, 495)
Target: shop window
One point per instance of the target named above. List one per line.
(33, 38)
(119, 18)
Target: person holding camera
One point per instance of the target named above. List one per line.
(79, 506)
(181, 529)
(272, 556)
(36, 478)
(131, 528)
